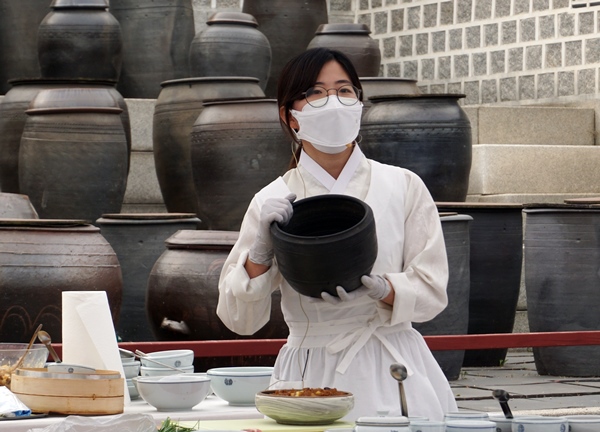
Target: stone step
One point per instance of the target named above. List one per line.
(535, 170)
(519, 125)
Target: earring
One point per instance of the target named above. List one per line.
(358, 139)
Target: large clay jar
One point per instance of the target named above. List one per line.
(183, 295)
(353, 40)
(39, 259)
(178, 106)
(156, 42)
(138, 240)
(13, 117)
(496, 240)
(384, 86)
(289, 26)
(16, 206)
(561, 256)
(73, 154)
(231, 45)
(80, 39)
(454, 320)
(427, 134)
(237, 148)
(19, 22)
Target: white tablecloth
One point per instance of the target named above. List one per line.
(212, 408)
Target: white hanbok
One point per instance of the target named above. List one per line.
(351, 346)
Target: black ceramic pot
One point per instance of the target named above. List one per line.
(80, 39)
(19, 22)
(241, 136)
(289, 26)
(373, 86)
(13, 117)
(454, 320)
(427, 134)
(183, 294)
(41, 258)
(353, 40)
(561, 255)
(496, 239)
(73, 154)
(138, 240)
(156, 42)
(231, 45)
(329, 241)
(178, 106)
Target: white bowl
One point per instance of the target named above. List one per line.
(304, 410)
(133, 391)
(175, 358)
(239, 385)
(173, 393)
(152, 371)
(131, 369)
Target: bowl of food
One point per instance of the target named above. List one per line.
(173, 392)
(239, 385)
(11, 353)
(307, 406)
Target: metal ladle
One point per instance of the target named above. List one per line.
(399, 373)
(44, 338)
(502, 396)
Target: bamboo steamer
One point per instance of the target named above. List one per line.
(97, 393)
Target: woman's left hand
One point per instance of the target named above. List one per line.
(375, 286)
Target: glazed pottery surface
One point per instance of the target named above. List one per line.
(455, 318)
(353, 40)
(73, 154)
(561, 255)
(138, 240)
(19, 21)
(179, 104)
(231, 45)
(496, 242)
(330, 240)
(80, 39)
(427, 134)
(182, 295)
(289, 26)
(13, 118)
(41, 258)
(241, 136)
(165, 29)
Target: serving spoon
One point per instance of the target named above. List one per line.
(22, 359)
(399, 373)
(502, 396)
(44, 338)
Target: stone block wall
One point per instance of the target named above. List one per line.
(491, 50)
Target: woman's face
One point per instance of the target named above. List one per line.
(332, 77)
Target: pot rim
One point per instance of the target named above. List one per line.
(242, 100)
(343, 28)
(394, 97)
(211, 79)
(232, 18)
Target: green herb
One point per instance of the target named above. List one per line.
(170, 426)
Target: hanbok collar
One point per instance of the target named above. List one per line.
(332, 185)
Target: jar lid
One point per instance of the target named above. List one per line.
(209, 80)
(478, 205)
(392, 97)
(46, 223)
(202, 239)
(148, 216)
(232, 18)
(244, 100)
(74, 99)
(343, 28)
(382, 421)
(584, 200)
(100, 4)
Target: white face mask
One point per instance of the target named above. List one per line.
(331, 127)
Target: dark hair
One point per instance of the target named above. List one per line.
(301, 73)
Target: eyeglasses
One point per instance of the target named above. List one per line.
(318, 96)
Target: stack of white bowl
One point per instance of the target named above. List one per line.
(170, 362)
(131, 367)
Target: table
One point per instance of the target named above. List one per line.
(212, 408)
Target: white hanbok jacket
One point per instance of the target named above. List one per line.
(351, 346)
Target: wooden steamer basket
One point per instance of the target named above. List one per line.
(96, 393)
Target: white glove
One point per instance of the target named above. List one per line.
(273, 210)
(375, 286)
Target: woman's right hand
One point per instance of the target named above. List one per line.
(273, 210)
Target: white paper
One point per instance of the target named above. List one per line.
(88, 334)
(277, 189)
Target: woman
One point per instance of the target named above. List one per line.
(346, 341)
